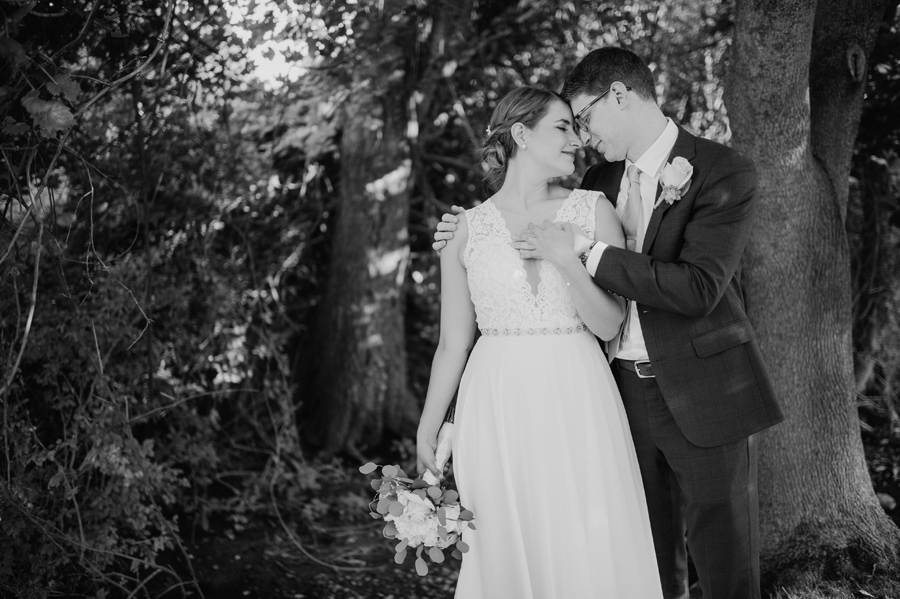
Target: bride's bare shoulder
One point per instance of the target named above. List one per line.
(558, 192)
(608, 226)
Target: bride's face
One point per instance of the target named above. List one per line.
(552, 142)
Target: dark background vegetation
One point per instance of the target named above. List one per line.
(218, 297)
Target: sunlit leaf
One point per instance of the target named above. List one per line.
(462, 546)
(52, 117)
(450, 496)
(442, 516)
(455, 553)
(368, 468)
(390, 471)
(436, 555)
(434, 492)
(33, 103)
(58, 118)
(396, 509)
(390, 531)
(466, 515)
(65, 85)
(400, 557)
(403, 545)
(55, 480)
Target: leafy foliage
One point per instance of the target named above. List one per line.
(154, 279)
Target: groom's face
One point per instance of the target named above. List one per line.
(603, 122)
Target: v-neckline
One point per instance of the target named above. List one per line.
(533, 291)
(509, 234)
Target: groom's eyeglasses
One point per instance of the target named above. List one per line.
(581, 123)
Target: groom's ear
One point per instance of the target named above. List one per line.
(621, 93)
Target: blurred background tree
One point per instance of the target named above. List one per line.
(218, 287)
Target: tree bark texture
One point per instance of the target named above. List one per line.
(361, 388)
(794, 99)
(360, 381)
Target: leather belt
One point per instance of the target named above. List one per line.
(642, 368)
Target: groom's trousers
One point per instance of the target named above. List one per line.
(708, 492)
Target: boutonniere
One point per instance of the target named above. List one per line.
(675, 180)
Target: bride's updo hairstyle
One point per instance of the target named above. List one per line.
(526, 105)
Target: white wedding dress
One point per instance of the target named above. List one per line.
(543, 454)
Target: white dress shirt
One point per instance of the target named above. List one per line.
(650, 164)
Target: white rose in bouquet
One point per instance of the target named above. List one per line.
(418, 523)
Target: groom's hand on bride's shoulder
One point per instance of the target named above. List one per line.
(446, 227)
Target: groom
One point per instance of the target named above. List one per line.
(690, 372)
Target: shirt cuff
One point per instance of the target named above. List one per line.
(593, 260)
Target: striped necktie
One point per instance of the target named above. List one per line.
(632, 216)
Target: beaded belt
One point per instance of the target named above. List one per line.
(544, 331)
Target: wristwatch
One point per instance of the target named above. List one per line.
(583, 256)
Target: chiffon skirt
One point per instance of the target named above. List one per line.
(543, 456)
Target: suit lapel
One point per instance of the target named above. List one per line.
(685, 146)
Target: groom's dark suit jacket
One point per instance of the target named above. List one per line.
(687, 285)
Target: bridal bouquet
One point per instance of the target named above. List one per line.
(419, 513)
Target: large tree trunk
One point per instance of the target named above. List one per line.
(360, 389)
(794, 101)
(360, 381)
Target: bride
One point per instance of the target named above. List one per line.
(543, 454)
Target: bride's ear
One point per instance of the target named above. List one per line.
(517, 131)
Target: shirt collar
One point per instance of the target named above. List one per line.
(652, 161)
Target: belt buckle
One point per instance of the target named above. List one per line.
(641, 375)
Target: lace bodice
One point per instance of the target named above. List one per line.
(506, 303)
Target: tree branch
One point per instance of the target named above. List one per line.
(34, 287)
